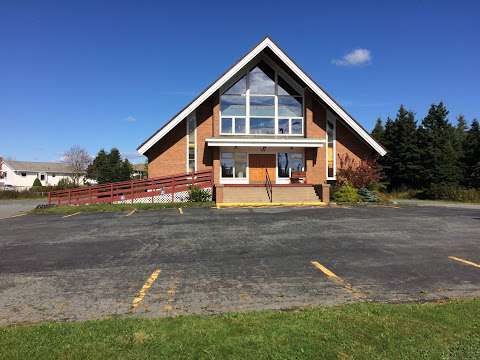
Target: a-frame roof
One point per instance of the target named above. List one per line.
(264, 44)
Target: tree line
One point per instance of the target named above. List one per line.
(430, 154)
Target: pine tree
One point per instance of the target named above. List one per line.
(437, 143)
(109, 167)
(472, 155)
(378, 131)
(401, 164)
(460, 145)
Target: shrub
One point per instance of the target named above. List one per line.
(450, 192)
(360, 174)
(367, 195)
(65, 183)
(37, 182)
(346, 193)
(195, 194)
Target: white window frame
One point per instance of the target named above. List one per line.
(235, 180)
(286, 180)
(187, 165)
(278, 72)
(333, 120)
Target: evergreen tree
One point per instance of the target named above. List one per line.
(460, 145)
(109, 167)
(402, 162)
(438, 150)
(472, 155)
(378, 131)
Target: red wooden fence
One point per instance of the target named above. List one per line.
(132, 189)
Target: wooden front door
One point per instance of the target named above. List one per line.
(257, 164)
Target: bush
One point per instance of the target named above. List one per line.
(37, 182)
(360, 174)
(195, 194)
(450, 192)
(346, 193)
(65, 183)
(367, 195)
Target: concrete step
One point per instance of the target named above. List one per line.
(246, 194)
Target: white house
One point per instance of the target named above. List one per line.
(22, 174)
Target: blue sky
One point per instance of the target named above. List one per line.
(109, 73)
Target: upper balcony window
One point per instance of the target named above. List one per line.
(261, 102)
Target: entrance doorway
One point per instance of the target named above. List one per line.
(257, 164)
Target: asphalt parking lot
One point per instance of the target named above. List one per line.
(163, 263)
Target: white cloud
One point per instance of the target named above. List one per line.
(131, 119)
(355, 58)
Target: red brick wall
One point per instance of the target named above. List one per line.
(315, 122)
(169, 155)
(350, 143)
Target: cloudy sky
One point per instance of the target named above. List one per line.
(104, 74)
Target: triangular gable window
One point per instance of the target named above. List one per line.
(261, 102)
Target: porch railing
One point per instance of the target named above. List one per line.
(162, 188)
(268, 186)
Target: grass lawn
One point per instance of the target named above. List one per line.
(70, 209)
(359, 331)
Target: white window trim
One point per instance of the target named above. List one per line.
(332, 119)
(235, 180)
(278, 71)
(253, 151)
(187, 167)
(286, 180)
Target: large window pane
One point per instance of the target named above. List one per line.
(262, 126)
(283, 165)
(289, 106)
(297, 161)
(226, 125)
(283, 126)
(233, 105)
(297, 126)
(288, 162)
(227, 163)
(262, 106)
(262, 80)
(284, 88)
(240, 165)
(240, 127)
(239, 88)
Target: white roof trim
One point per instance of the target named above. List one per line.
(237, 67)
(301, 142)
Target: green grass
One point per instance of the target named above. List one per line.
(359, 331)
(70, 209)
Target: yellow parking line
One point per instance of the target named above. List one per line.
(464, 261)
(148, 284)
(66, 216)
(337, 279)
(131, 212)
(180, 210)
(13, 216)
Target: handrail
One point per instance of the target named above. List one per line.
(268, 186)
(131, 189)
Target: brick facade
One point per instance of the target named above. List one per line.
(169, 155)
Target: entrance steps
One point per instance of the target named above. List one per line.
(258, 194)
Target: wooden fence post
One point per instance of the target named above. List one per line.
(111, 193)
(69, 196)
(131, 189)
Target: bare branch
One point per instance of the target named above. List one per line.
(78, 160)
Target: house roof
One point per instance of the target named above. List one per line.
(264, 44)
(139, 167)
(35, 166)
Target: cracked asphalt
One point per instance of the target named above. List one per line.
(91, 266)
